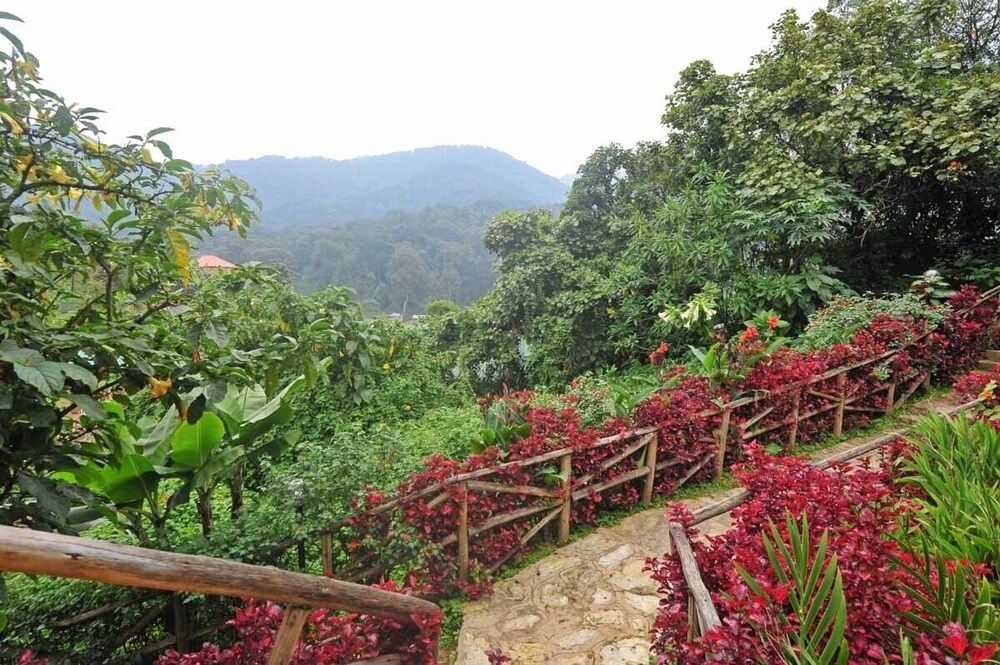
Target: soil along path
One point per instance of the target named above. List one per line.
(591, 602)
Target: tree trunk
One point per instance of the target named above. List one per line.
(204, 502)
(236, 492)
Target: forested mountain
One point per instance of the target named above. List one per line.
(397, 262)
(331, 192)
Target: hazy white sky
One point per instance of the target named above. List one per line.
(545, 80)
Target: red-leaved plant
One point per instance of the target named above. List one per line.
(859, 509)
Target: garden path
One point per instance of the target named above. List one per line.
(590, 602)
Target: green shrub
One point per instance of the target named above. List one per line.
(956, 466)
(838, 321)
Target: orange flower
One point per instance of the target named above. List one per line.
(159, 388)
(750, 334)
(772, 322)
(953, 165)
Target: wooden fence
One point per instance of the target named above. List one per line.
(39, 553)
(824, 403)
(702, 613)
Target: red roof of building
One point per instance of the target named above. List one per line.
(212, 261)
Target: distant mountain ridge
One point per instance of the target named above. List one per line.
(316, 190)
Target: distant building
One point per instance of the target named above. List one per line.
(212, 262)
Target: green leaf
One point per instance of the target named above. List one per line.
(77, 373)
(46, 376)
(157, 435)
(159, 130)
(217, 464)
(91, 407)
(46, 493)
(180, 165)
(13, 40)
(130, 483)
(193, 444)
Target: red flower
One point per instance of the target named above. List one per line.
(772, 322)
(750, 334)
(979, 653)
(956, 640)
(659, 355)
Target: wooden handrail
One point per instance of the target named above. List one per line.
(40, 553)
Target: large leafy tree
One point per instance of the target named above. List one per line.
(101, 304)
(897, 101)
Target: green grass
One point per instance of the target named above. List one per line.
(451, 623)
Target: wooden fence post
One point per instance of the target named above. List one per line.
(180, 623)
(288, 635)
(838, 421)
(647, 489)
(793, 434)
(722, 436)
(890, 398)
(694, 630)
(463, 535)
(566, 471)
(328, 554)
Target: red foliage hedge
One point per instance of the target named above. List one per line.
(413, 528)
(326, 638)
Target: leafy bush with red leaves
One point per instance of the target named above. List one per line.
(326, 638)
(973, 386)
(859, 509)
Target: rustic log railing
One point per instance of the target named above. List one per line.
(702, 613)
(39, 553)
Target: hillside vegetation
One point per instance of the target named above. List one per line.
(402, 229)
(397, 263)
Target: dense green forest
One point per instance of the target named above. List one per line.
(859, 150)
(397, 263)
(145, 402)
(402, 229)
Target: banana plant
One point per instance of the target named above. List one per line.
(194, 454)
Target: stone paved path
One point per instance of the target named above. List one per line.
(590, 602)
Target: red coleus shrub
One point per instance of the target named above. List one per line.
(974, 385)
(858, 508)
(326, 638)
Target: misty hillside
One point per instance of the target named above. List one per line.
(316, 190)
(400, 261)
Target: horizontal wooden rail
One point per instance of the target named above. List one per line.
(726, 505)
(39, 553)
